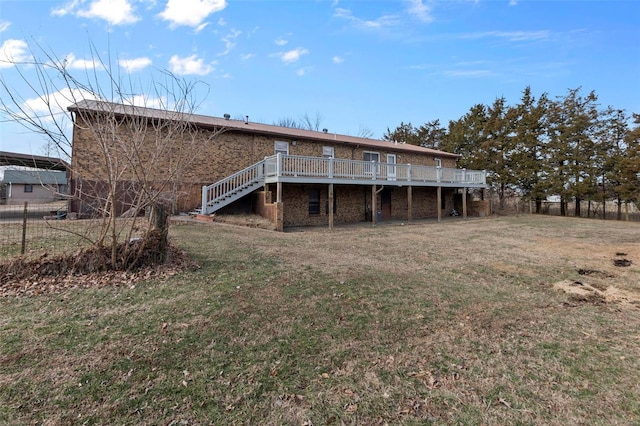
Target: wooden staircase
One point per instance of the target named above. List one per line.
(232, 188)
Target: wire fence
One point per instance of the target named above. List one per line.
(588, 210)
(36, 230)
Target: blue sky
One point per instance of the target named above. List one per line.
(356, 64)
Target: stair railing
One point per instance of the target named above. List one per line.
(231, 184)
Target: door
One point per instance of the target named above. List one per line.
(391, 167)
(385, 201)
(370, 169)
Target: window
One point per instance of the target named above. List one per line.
(371, 156)
(28, 187)
(438, 162)
(314, 201)
(327, 152)
(281, 148)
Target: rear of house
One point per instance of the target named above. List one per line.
(293, 177)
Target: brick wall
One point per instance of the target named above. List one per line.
(201, 160)
(353, 204)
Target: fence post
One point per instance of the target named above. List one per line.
(203, 210)
(24, 229)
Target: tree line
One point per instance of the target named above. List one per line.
(568, 147)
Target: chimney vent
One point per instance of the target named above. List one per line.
(227, 116)
(246, 119)
(325, 130)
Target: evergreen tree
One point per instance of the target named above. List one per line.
(572, 123)
(530, 158)
(629, 166)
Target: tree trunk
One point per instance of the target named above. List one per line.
(538, 205)
(619, 217)
(577, 212)
(563, 207)
(159, 226)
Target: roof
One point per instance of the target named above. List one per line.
(251, 127)
(28, 160)
(33, 177)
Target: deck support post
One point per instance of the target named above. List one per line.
(464, 202)
(439, 201)
(330, 206)
(374, 208)
(409, 203)
(279, 192)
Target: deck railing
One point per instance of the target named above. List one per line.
(282, 165)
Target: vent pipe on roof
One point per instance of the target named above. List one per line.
(227, 116)
(325, 130)
(246, 119)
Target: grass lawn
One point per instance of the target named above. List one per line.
(515, 320)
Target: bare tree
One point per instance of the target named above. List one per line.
(305, 122)
(364, 132)
(131, 147)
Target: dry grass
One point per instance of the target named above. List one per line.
(463, 322)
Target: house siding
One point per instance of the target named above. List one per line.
(211, 160)
(39, 195)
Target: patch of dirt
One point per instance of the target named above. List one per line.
(597, 294)
(249, 220)
(595, 273)
(622, 262)
(37, 284)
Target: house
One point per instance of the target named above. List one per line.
(35, 186)
(293, 177)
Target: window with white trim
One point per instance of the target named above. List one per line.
(281, 147)
(371, 156)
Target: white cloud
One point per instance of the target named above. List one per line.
(115, 12)
(420, 10)
(469, 73)
(136, 64)
(222, 22)
(303, 71)
(56, 103)
(280, 41)
(146, 102)
(247, 56)
(189, 65)
(379, 23)
(229, 41)
(513, 2)
(71, 62)
(190, 12)
(292, 55)
(510, 35)
(200, 27)
(4, 25)
(66, 9)
(337, 60)
(13, 52)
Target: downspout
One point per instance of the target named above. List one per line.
(381, 188)
(9, 195)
